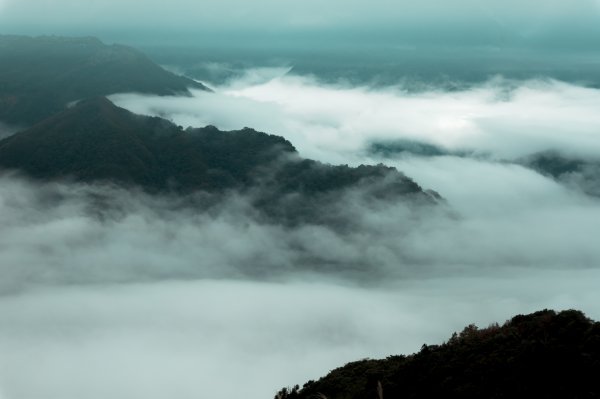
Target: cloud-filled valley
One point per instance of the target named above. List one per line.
(225, 338)
(496, 216)
(504, 118)
(103, 285)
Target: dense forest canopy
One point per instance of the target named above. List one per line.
(545, 354)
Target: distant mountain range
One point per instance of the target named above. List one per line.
(573, 171)
(402, 147)
(40, 76)
(541, 355)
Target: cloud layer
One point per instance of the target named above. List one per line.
(497, 216)
(223, 339)
(507, 119)
(108, 292)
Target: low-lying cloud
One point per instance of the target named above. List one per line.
(60, 233)
(223, 339)
(506, 119)
(497, 216)
(111, 292)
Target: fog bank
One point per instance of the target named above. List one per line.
(505, 119)
(497, 216)
(224, 339)
(110, 292)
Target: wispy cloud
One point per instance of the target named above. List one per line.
(497, 216)
(507, 119)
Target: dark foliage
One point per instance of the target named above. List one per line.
(40, 76)
(404, 147)
(96, 141)
(577, 172)
(541, 355)
(554, 164)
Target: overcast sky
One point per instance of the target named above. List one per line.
(548, 21)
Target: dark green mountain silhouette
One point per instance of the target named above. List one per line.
(96, 141)
(541, 355)
(402, 147)
(39, 76)
(553, 163)
(399, 147)
(575, 172)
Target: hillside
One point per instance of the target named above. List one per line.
(96, 141)
(573, 171)
(541, 355)
(40, 76)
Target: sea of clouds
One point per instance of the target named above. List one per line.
(108, 292)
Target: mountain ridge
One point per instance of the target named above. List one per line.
(40, 75)
(96, 141)
(545, 354)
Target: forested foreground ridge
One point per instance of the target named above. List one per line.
(546, 354)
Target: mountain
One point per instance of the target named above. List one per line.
(400, 147)
(541, 355)
(576, 172)
(96, 141)
(40, 76)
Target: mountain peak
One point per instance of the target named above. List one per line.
(74, 68)
(101, 107)
(94, 140)
(99, 104)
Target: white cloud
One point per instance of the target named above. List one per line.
(185, 321)
(333, 123)
(500, 216)
(223, 339)
(509, 215)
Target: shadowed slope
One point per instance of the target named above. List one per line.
(40, 76)
(96, 141)
(541, 355)
(575, 172)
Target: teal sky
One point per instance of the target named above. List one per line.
(547, 22)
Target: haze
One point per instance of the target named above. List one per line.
(459, 22)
